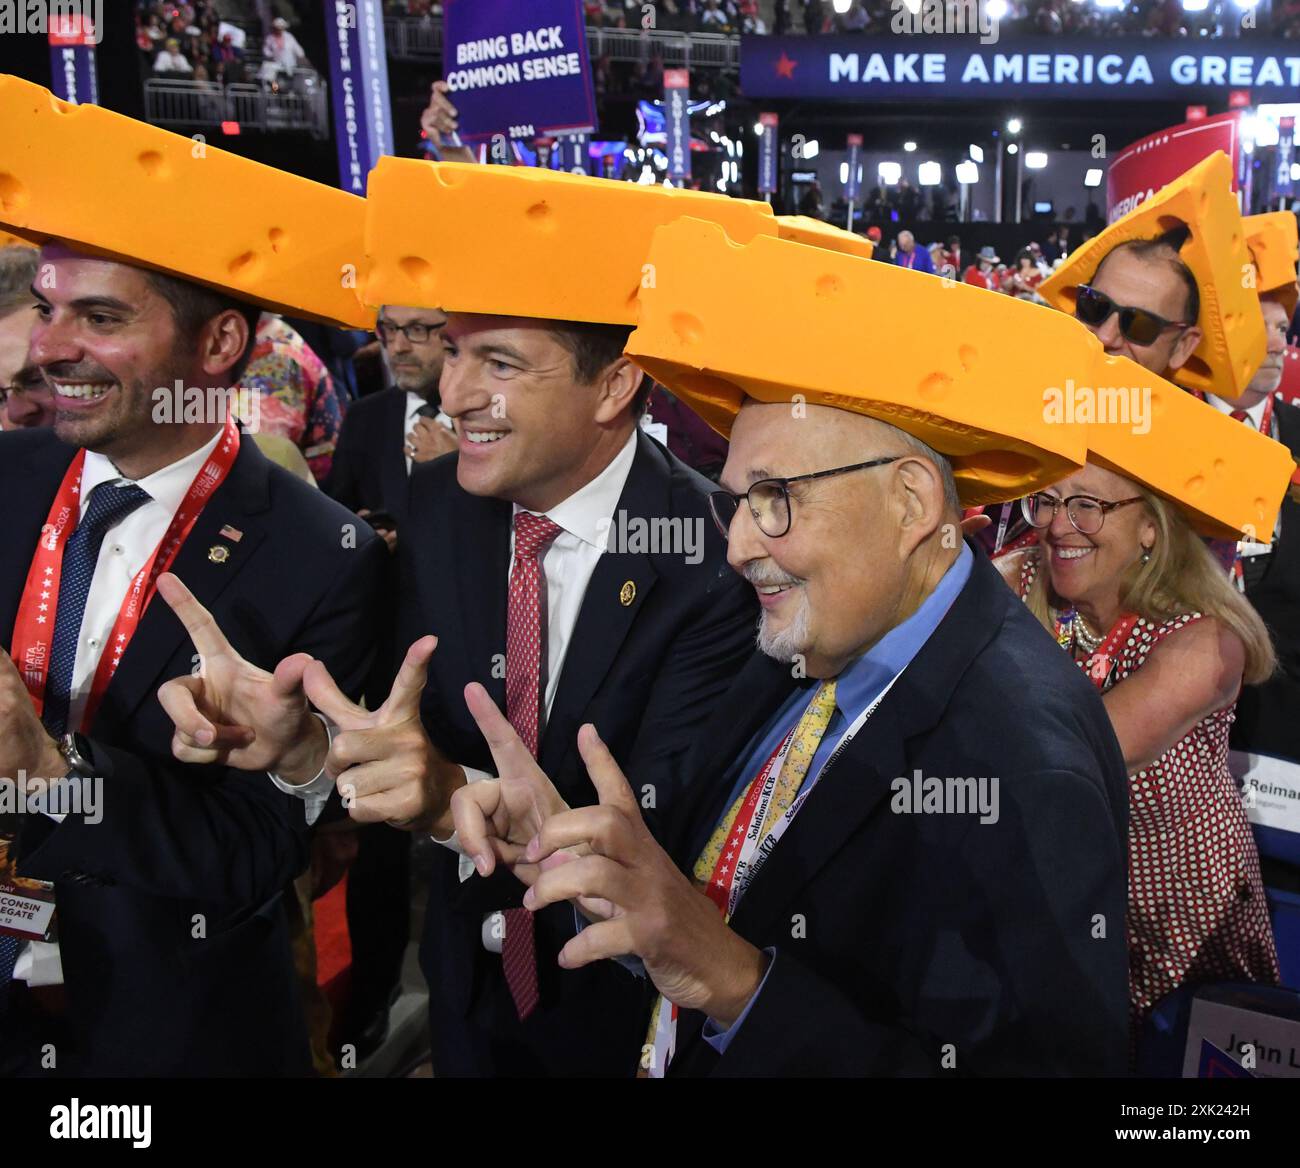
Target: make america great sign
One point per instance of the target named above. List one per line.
(854, 67)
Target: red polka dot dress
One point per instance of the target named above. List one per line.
(1196, 907)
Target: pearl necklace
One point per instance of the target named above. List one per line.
(1084, 637)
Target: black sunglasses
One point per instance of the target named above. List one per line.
(769, 499)
(1137, 324)
(416, 332)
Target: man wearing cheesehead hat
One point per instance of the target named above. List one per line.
(903, 850)
(1266, 726)
(1168, 285)
(563, 559)
(168, 952)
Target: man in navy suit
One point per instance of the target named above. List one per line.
(905, 856)
(172, 952)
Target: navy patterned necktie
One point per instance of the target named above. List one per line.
(109, 504)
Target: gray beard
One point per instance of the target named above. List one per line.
(789, 642)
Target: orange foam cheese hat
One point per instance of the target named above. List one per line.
(166, 202)
(1233, 344)
(1273, 242)
(523, 241)
(778, 322)
(1227, 479)
(805, 229)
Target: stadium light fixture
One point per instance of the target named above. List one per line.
(968, 173)
(1093, 177)
(1035, 159)
(887, 172)
(929, 174)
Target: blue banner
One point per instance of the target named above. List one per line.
(1285, 186)
(767, 169)
(677, 124)
(517, 69)
(73, 35)
(963, 68)
(573, 154)
(363, 117)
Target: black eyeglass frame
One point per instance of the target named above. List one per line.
(1106, 508)
(783, 485)
(387, 326)
(1127, 316)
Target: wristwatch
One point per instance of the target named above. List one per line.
(76, 752)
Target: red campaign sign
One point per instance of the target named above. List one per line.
(855, 139)
(1139, 170)
(1238, 98)
(1197, 113)
(677, 79)
(68, 29)
(1290, 385)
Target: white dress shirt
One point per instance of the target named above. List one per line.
(1255, 413)
(414, 403)
(127, 547)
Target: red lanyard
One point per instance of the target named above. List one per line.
(725, 869)
(1098, 663)
(34, 627)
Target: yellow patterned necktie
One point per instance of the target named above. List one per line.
(803, 745)
(807, 737)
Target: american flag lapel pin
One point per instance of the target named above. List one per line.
(231, 533)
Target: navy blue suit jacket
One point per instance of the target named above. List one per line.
(146, 995)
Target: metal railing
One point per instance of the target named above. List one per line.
(302, 103)
(412, 38)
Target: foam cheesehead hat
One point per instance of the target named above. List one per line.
(805, 229)
(962, 370)
(168, 203)
(1201, 199)
(1272, 239)
(1226, 478)
(524, 241)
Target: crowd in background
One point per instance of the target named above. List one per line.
(226, 41)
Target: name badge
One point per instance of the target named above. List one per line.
(26, 906)
(1247, 548)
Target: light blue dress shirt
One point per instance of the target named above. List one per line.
(856, 688)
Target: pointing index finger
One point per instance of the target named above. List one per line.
(208, 638)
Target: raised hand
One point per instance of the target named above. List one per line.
(439, 123)
(234, 713)
(385, 767)
(654, 912)
(495, 819)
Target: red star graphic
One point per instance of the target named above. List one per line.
(786, 66)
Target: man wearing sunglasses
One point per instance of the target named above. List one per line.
(1143, 302)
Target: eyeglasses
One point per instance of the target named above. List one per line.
(417, 332)
(769, 499)
(35, 390)
(1084, 512)
(1136, 324)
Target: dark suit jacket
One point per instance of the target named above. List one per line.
(1267, 718)
(902, 938)
(369, 468)
(645, 673)
(179, 844)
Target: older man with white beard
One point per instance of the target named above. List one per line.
(904, 850)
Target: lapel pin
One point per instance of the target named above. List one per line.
(218, 554)
(231, 533)
(627, 594)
